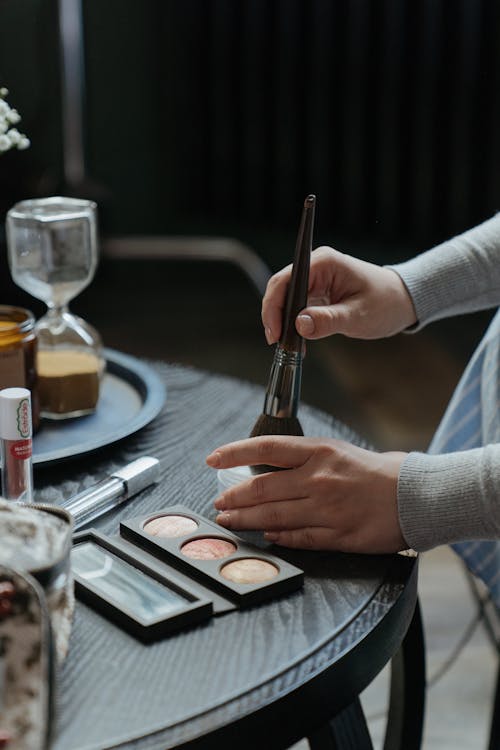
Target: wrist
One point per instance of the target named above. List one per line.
(402, 301)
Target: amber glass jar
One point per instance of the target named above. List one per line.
(18, 345)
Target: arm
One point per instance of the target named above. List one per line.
(334, 495)
(337, 496)
(450, 497)
(346, 295)
(363, 300)
(459, 276)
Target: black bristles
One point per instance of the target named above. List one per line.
(266, 425)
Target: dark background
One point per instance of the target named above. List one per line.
(217, 117)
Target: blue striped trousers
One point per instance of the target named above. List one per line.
(472, 420)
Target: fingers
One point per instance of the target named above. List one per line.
(282, 451)
(289, 514)
(319, 322)
(301, 537)
(273, 304)
(310, 537)
(262, 488)
(323, 264)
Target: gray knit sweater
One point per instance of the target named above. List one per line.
(455, 496)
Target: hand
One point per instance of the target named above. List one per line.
(334, 496)
(346, 295)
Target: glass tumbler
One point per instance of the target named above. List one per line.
(53, 254)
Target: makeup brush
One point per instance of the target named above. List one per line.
(281, 402)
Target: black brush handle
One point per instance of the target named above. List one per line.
(296, 298)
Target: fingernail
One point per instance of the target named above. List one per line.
(271, 536)
(223, 519)
(305, 325)
(269, 335)
(214, 459)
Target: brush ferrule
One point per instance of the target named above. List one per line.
(283, 391)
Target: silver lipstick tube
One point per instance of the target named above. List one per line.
(283, 390)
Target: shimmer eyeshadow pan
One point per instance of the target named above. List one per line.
(249, 570)
(219, 560)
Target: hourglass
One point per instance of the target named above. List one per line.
(52, 251)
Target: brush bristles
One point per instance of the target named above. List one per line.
(266, 425)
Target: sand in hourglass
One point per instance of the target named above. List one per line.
(68, 382)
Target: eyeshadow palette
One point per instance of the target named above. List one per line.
(222, 561)
(146, 602)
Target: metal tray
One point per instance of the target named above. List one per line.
(132, 394)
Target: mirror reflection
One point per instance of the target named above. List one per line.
(123, 585)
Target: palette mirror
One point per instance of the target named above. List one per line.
(124, 588)
(124, 585)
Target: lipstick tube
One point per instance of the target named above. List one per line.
(16, 444)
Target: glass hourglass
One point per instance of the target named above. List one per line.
(52, 251)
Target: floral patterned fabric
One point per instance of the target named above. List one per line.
(36, 609)
(35, 538)
(26, 665)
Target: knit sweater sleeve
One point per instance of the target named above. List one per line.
(449, 497)
(459, 276)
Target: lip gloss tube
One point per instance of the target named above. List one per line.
(107, 494)
(16, 444)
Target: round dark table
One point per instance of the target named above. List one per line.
(264, 677)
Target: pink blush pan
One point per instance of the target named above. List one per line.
(209, 548)
(241, 573)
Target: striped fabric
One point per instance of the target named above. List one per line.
(472, 420)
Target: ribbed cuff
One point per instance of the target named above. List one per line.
(460, 275)
(447, 498)
(435, 291)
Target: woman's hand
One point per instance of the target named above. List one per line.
(334, 495)
(346, 295)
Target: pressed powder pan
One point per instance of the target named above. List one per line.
(170, 526)
(174, 569)
(219, 559)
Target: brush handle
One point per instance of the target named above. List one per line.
(296, 298)
(283, 391)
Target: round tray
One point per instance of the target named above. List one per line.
(132, 394)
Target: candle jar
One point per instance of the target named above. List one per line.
(18, 347)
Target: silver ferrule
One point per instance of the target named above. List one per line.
(283, 391)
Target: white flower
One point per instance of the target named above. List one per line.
(13, 116)
(10, 137)
(14, 136)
